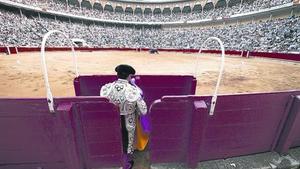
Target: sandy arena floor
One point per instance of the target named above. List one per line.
(240, 74)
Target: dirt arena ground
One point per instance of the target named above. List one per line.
(241, 75)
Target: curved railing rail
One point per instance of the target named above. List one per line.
(44, 66)
(215, 96)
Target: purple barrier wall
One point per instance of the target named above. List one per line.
(29, 49)
(242, 124)
(171, 123)
(12, 50)
(78, 136)
(31, 137)
(3, 49)
(177, 127)
(287, 56)
(295, 130)
(153, 86)
(99, 134)
(290, 135)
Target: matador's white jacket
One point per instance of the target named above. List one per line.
(129, 100)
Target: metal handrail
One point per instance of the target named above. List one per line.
(44, 66)
(215, 96)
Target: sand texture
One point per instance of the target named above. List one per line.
(21, 75)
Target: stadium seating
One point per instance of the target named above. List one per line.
(224, 10)
(277, 35)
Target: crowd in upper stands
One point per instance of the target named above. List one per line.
(211, 13)
(278, 35)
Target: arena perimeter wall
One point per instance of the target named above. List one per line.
(286, 56)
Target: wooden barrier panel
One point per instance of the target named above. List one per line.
(98, 130)
(295, 130)
(153, 86)
(171, 122)
(29, 137)
(3, 49)
(290, 136)
(85, 131)
(13, 50)
(242, 124)
(32, 137)
(177, 130)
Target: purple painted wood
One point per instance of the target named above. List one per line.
(28, 135)
(296, 126)
(85, 131)
(171, 121)
(153, 86)
(95, 128)
(197, 132)
(290, 136)
(32, 137)
(99, 134)
(242, 124)
(89, 85)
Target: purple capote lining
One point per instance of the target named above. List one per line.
(126, 161)
(145, 123)
(144, 119)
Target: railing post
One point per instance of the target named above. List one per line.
(291, 127)
(68, 133)
(198, 125)
(17, 51)
(215, 96)
(44, 66)
(8, 50)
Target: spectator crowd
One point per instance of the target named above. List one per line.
(206, 13)
(277, 35)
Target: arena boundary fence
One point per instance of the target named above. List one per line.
(259, 123)
(274, 55)
(184, 132)
(84, 131)
(75, 137)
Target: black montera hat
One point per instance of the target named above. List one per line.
(125, 69)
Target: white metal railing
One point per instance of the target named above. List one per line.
(215, 96)
(44, 66)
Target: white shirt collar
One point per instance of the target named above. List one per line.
(123, 80)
